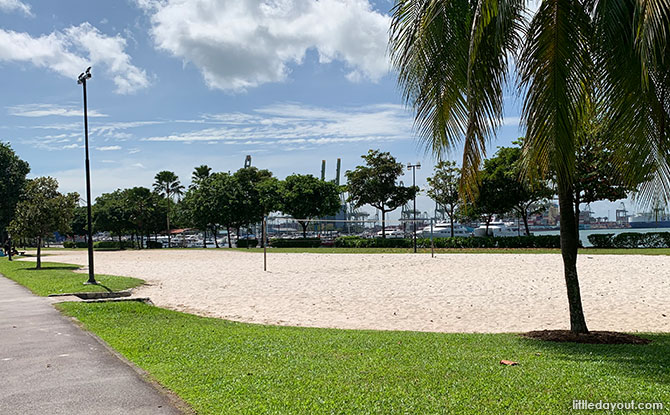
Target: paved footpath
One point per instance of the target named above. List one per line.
(48, 365)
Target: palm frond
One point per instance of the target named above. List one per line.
(452, 62)
(633, 54)
(555, 71)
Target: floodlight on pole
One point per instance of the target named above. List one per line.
(81, 80)
(413, 167)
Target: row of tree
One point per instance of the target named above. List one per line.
(505, 189)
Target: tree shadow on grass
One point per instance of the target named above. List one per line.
(59, 267)
(650, 361)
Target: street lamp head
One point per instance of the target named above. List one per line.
(84, 76)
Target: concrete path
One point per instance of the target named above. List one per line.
(48, 365)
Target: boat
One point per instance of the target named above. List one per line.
(497, 229)
(649, 220)
(392, 234)
(443, 230)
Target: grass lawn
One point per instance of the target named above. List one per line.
(56, 278)
(218, 366)
(584, 251)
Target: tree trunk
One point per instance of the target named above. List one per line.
(167, 193)
(451, 220)
(39, 253)
(383, 223)
(488, 222)
(230, 245)
(215, 232)
(304, 228)
(120, 242)
(204, 238)
(525, 222)
(569, 246)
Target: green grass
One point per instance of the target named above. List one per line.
(56, 278)
(584, 251)
(219, 366)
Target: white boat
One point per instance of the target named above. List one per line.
(392, 234)
(443, 230)
(497, 229)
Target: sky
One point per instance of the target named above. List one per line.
(180, 83)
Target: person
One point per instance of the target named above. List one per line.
(8, 248)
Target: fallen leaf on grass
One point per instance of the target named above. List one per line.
(509, 363)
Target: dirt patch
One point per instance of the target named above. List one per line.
(592, 337)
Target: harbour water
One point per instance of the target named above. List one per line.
(584, 233)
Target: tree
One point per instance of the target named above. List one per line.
(110, 214)
(443, 188)
(200, 173)
(167, 184)
(375, 184)
(306, 197)
(269, 199)
(492, 197)
(201, 208)
(226, 204)
(43, 211)
(13, 173)
(139, 204)
(453, 60)
(527, 194)
(595, 179)
(79, 223)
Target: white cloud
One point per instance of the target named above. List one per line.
(108, 148)
(69, 52)
(242, 44)
(285, 124)
(15, 5)
(45, 110)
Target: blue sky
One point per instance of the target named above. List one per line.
(179, 83)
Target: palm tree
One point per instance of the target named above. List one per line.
(454, 60)
(200, 173)
(167, 184)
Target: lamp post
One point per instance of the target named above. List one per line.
(413, 167)
(81, 80)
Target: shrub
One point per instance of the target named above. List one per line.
(154, 245)
(295, 243)
(112, 245)
(72, 244)
(604, 240)
(247, 243)
(541, 241)
(358, 242)
(642, 240)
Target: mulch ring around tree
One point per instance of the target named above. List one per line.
(592, 337)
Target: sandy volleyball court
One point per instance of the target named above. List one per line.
(449, 293)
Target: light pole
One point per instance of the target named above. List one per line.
(413, 167)
(81, 80)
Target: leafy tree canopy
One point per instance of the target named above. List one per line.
(13, 173)
(306, 197)
(43, 211)
(376, 184)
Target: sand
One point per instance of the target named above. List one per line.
(448, 293)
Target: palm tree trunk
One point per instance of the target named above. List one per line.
(168, 217)
(569, 246)
(39, 253)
